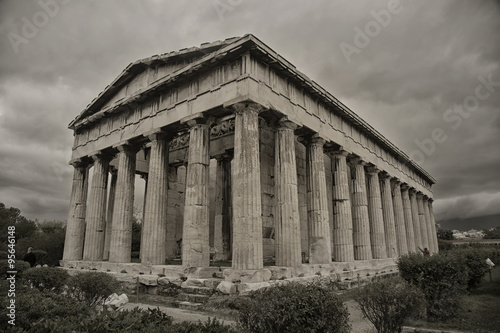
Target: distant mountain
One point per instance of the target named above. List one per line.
(476, 222)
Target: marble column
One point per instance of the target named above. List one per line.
(343, 247)
(422, 221)
(360, 219)
(246, 189)
(222, 223)
(430, 232)
(416, 219)
(410, 234)
(154, 226)
(123, 208)
(433, 224)
(96, 213)
(399, 218)
(320, 249)
(377, 236)
(196, 231)
(109, 215)
(391, 243)
(287, 221)
(75, 230)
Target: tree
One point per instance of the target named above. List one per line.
(12, 217)
(445, 234)
(492, 233)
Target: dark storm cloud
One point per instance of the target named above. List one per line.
(426, 60)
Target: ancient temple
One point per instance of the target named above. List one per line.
(244, 158)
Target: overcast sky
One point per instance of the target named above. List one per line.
(408, 69)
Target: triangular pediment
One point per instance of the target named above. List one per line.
(145, 72)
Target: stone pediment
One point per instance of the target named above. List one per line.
(143, 73)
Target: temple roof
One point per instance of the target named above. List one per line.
(208, 54)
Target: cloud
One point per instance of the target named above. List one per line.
(424, 62)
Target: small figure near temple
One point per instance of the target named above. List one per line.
(425, 251)
(30, 257)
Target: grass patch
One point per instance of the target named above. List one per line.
(478, 312)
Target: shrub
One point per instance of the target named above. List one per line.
(19, 266)
(92, 288)
(295, 308)
(388, 302)
(33, 305)
(442, 278)
(46, 278)
(475, 260)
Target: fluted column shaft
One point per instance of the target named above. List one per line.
(410, 234)
(377, 236)
(391, 243)
(360, 219)
(343, 248)
(246, 189)
(433, 224)
(123, 208)
(399, 218)
(428, 222)
(416, 219)
(422, 221)
(320, 250)
(287, 222)
(195, 235)
(96, 217)
(154, 226)
(75, 230)
(109, 216)
(222, 223)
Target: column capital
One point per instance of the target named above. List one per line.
(127, 146)
(79, 163)
(383, 175)
(100, 156)
(372, 169)
(314, 139)
(405, 187)
(430, 200)
(396, 181)
(285, 124)
(228, 155)
(420, 195)
(247, 107)
(353, 161)
(336, 152)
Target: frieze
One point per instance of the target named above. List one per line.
(224, 128)
(180, 141)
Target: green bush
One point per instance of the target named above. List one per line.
(46, 278)
(475, 260)
(295, 308)
(92, 288)
(388, 302)
(441, 277)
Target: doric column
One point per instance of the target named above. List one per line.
(416, 219)
(222, 224)
(430, 232)
(171, 247)
(109, 215)
(343, 248)
(391, 243)
(399, 218)
(123, 208)
(422, 221)
(75, 230)
(96, 217)
(377, 236)
(360, 219)
(246, 191)
(410, 234)
(433, 224)
(320, 249)
(287, 221)
(195, 235)
(154, 226)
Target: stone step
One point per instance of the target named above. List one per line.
(195, 298)
(187, 305)
(197, 290)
